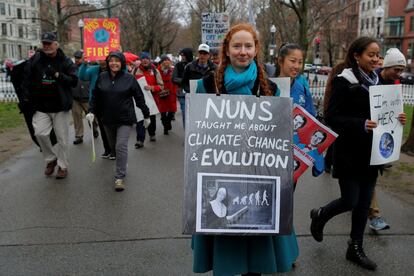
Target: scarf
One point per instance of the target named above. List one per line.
(368, 79)
(240, 83)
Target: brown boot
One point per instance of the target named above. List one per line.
(61, 173)
(50, 167)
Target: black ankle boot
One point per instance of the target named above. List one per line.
(317, 224)
(355, 253)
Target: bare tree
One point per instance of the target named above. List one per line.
(149, 25)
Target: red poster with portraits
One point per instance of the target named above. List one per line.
(311, 133)
(101, 36)
(301, 162)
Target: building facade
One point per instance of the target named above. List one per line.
(370, 24)
(20, 28)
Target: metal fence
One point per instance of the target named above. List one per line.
(317, 88)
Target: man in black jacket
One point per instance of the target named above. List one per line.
(177, 77)
(47, 84)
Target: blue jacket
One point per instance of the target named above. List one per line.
(89, 73)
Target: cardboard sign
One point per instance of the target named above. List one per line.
(149, 101)
(283, 85)
(386, 103)
(101, 36)
(214, 27)
(238, 165)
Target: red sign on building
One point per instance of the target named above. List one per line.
(101, 36)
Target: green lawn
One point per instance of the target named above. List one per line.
(10, 116)
(408, 109)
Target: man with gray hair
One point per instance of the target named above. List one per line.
(47, 84)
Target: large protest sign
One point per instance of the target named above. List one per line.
(101, 36)
(214, 27)
(238, 165)
(386, 103)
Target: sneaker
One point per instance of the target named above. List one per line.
(139, 144)
(112, 157)
(152, 138)
(61, 173)
(119, 185)
(78, 140)
(106, 155)
(378, 224)
(50, 167)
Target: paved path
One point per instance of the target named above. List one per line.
(80, 226)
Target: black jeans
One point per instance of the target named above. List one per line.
(141, 129)
(166, 118)
(356, 195)
(104, 137)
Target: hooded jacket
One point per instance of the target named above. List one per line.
(347, 111)
(41, 71)
(112, 97)
(193, 71)
(178, 73)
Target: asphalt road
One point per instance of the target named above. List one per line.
(80, 226)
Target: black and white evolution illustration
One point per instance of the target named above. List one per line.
(228, 203)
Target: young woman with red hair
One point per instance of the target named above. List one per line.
(241, 72)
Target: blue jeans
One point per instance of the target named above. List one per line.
(182, 107)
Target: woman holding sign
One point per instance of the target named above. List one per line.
(348, 113)
(290, 62)
(241, 72)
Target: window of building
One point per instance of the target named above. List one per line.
(372, 22)
(19, 13)
(367, 23)
(374, 3)
(9, 10)
(33, 3)
(369, 5)
(411, 23)
(25, 15)
(2, 8)
(3, 29)
(11, 30)
(379, 2)
(363, 6)
(34, 16)
(4, 49)
(21, 31)
(362, 24)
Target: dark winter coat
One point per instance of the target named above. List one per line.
(193, 71)
(81, 91)
(35, 71)
(347, 112)
(112, 97)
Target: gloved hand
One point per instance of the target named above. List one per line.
(147, 122)
(90, 117)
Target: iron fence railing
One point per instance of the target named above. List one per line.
(7, 93)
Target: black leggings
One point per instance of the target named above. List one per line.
(356, 195)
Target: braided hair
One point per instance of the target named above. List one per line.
(225, 60)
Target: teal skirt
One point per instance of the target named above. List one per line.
(230, 255)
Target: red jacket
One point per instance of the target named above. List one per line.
(169, 103)
(154, 79)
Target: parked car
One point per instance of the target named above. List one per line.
(324, 70)
(407, 78)
(307, 67)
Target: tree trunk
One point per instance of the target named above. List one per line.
(409, 144)
(303, 27)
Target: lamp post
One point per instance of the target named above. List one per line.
(379, 13)
(81, 24)
(272, 43)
